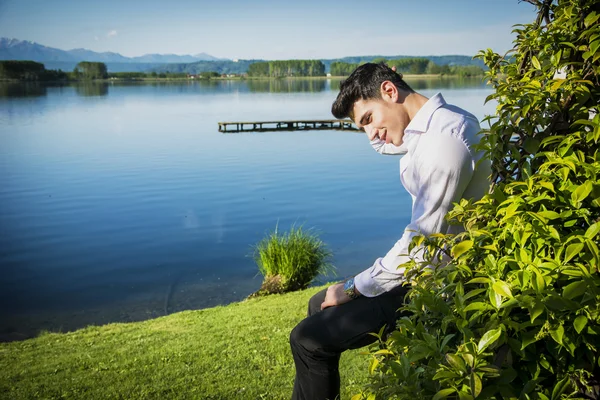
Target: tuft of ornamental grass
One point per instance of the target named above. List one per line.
(290, 261)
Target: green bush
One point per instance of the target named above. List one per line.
(290, 261)
(515, 314)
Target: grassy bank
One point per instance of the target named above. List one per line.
(239, 351)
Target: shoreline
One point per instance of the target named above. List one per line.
(159, 302)
(232, 78)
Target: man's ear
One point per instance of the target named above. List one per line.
(389, 91)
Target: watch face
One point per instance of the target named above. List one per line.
(349, 285)
(349, 288)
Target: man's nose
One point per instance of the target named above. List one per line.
(371, 132)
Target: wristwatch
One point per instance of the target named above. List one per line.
(350, 290)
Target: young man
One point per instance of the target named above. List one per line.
(439, 167)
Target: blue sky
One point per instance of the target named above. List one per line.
(267, 29)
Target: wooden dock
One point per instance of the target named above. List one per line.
(269, 126)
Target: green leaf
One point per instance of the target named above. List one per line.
(445, 375)
(502, 289)
(531, 145)
(510, 303)
(527, 339)
(549, 214)
(580, 323)
(462, 395)
(469, 359)
(581, 192)
(536, 310)
(446, 340)
(383, 352)
(560, 387)
(373, 365)
(442, 394)
(473, 293)
(547, 185)
(592, 231)
(488, 338)
(456, 362)
(536, 62)
(590, 19)
(558, 334)
(418, 352)
(479, 280)
(495, 299)
(476, 306)
(475, 384)
(461, 248)
(574, 289)
(540, 283)
(572, 251)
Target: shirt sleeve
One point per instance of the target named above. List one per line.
(442, 171)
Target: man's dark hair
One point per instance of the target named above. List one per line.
(364, 83)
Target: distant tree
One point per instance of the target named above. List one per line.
(29, 71)
(91, 70)
(378, 60)
(410, 65)
(209, 75)
(258, 69)
(435, 69)
(287, 68)
(22, 70)
(466, 70)
(339, 68)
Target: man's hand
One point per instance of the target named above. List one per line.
(335, 296)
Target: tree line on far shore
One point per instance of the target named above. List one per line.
(85, 70)
(412, 66)
(286, 68)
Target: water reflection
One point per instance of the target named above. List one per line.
(28, 89)
(91, 89)
(95, 89)
(287, 85)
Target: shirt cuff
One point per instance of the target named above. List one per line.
(365, 283)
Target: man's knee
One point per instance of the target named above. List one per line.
(314, 304)
(304, 337)
(297, 336)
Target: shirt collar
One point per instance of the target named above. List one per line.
(420, 122)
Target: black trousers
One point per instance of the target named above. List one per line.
(318, 341)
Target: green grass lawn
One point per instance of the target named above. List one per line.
(238, 351)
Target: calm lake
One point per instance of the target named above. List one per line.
(122, 202)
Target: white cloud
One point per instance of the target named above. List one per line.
(96, 38)
(111, 33)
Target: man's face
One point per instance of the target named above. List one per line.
(383, 119)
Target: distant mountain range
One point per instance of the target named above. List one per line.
(52, 58)
(14, 49)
